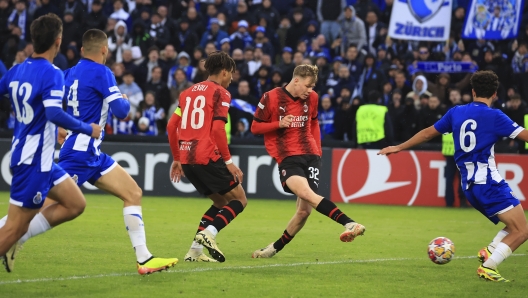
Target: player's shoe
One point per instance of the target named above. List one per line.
(207, 239)
(9, 258)
(483, 254)
(266, 252)
(352, 230)
(155, 264)
(189, 257)
(490, 274)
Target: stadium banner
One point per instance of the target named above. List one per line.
(149, 165)
(424, 20)
(493, 19)
(412, 178)
(243, 106)
(446, 67)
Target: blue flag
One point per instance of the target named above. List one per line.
(440, 67)
(493, 19)
(243, 106)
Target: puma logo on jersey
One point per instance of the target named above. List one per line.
(283, 109)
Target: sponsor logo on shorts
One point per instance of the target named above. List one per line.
(75, 178)
(37, 199)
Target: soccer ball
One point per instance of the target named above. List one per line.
(441, 250)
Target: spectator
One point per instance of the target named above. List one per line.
(119, 13)
(72, 56)
(409, 119)
(168, 23)
(96, 18)
(195, 22)
(145, 128)
(244, 94)
(143, 72)
(376, 32)
(400, 82)
(352, 30)
(242, 14)
(328, 15)
(118, 69)
(225, 45)
(276, 79)
(149, 109)
(261, 82)
(122, 126)
(326, 117)
(261, 41)
(429, 115)
(159, 87)
(160, 34)
(243, 131)
(20, 18)
(119, 41)
(282, 32)
(214, 34)
(308, 14)
(178, 85)
(186, 39)
(141, 38)
(132, 91)
(19, 58)
(71, 32)
(372, 79)
(396, 109)
(268, 12)
(364, 6)
(201, 73)
(46, 7)
(128, 61)
(517, 64)
(241, 38)
(296, 30)
(286, 66)
(387, 12)
(5, 12)
(170, 56)
(441, 88)
(419, 87)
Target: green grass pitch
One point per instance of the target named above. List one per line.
(92, 256)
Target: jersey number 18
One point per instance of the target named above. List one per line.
(197, 114)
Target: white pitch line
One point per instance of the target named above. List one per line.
(36, 280)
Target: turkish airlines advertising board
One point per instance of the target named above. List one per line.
(413, 178)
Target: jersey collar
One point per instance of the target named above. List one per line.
(289, 94)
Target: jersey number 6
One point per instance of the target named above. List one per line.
(472, 138)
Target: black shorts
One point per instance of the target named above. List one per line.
(307, 166)
(211, 178)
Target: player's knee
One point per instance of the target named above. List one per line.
(303, 214)
(134, 196)
(243, 200)
(79, 207)
(305, 194)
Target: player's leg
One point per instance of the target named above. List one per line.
(486, 252)
(15, 226)
(294, 226)
(237, 201)
(130, 193)
(299, 186)
(195, 253)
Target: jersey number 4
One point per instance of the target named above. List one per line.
(74, 103)
(197, 113)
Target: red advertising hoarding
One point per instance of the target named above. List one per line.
(413, 178)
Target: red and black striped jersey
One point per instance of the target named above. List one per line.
(296, 139)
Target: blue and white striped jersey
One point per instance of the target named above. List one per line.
(33, 86)
(91, 89)
(476, 128)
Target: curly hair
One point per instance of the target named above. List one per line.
(218, 61)
(485, 83)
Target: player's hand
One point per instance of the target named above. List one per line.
(236, 172)
(389, 150)
(124, 96)
(61, 136)
(176, 172)
(96, 130)
(286, 121)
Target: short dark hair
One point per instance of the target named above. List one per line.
(515, 96)
(93, 39)
(218, 61)
(485, 83)
(374, 96)
(44, 31)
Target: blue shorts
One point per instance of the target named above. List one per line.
(30, 186)
(81, 171)
(492, 199)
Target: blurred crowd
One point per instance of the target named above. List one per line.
(157, 49)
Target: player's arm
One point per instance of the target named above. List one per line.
(222, 102)
(422, 136)
(314, 125)
(523, 135)
(120, 106)
(173, 130)
(262, 123)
